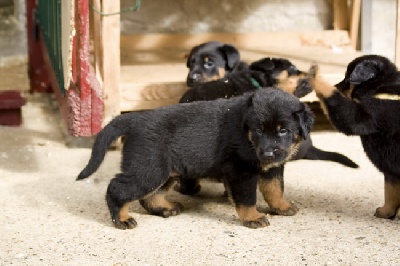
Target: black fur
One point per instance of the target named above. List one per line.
(243, 140)
(266, 72)
(367, 103)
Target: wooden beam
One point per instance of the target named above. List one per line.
(340, 15)
(110, 69)
(397, 49)
(355, 22)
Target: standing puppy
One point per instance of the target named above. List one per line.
(367, 103)
(244, 140)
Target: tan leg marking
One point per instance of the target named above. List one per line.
(158, 200)
(248, 213)
(157, 204)
(272, 191)
(250, 217)
(392, 201)
(124, 213)
(321, 86)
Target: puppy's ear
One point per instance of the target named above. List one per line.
(189, 57)
(363, 72)
(305, 118)
(231, 55)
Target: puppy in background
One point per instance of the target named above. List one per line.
(212, 61)
(367, 103)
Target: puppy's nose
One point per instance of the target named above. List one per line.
(195, 77)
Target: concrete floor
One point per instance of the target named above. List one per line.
(50, 219)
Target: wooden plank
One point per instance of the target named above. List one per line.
(150, 96)
(397, 49)
(340, 15)
(110, 39)
(97, 42)
(260, 40)
(355, 22)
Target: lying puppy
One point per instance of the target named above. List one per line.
(267, 72)
(367, 103)
(246, 140)
(212, 61)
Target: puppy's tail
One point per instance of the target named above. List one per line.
(314, 153)
(103, 140)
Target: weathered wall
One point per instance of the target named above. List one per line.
(196, 16)
(383, 30)
(199, 16)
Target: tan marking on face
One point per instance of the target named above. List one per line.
(220, 75)
(124, 213)
(250, 136)
(272, 191)
(266, 166)
(248, 213)
(392, 201)
(295, 147)
(205, 59)
(289, 83)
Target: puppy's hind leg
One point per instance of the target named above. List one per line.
(392, 200)
(157, 204)
(124, 189)
(271, 186)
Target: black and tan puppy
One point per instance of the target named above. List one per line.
(277, 72)
(245, 140)
(266, 72)
(367, 103)
(212, 61)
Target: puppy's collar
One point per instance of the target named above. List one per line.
(387, 96)
(255, 83)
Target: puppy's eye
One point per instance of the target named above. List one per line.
(258, 131)
(282, 132)
(208, 64)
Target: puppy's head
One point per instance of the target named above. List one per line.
(276, 122)
(211, 61)
(363, 75)
(281, 73)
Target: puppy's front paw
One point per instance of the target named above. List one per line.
(289, 211)
(175, 209)
(314, 71)
(258, 223)
(385, 213)
(130, 223)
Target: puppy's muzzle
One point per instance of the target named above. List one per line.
(193, 78)
(271, 155)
